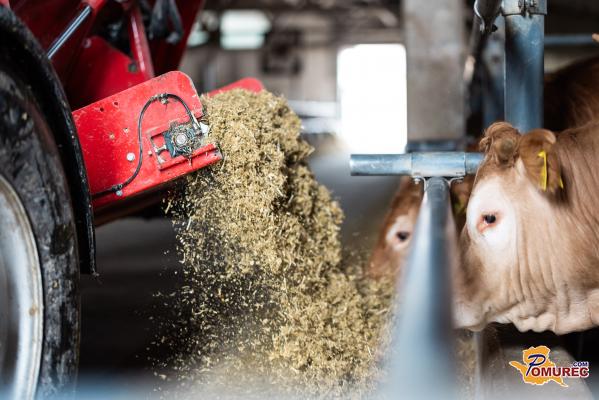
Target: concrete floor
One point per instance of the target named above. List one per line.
(137, 259)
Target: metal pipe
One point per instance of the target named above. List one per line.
(570, 40)
(524, 52)
(423, 338)
(139, 43)
(71, 28)
(417, 165)
(492, 70)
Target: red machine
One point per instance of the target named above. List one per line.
(115, 59)
(112, 87)
(128, 154)
(137, 126)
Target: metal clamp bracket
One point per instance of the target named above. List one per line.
(486, 11)
(523, 7)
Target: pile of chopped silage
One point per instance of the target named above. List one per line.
(270, 301)
(271, 305)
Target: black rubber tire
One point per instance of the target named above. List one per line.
(29, 160)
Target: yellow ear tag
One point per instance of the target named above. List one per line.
(543, 155)
(458, 207)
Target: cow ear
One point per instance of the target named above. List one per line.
(537, 151)
(500, 143)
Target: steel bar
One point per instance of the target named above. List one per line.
(422, 364)
(524, 52)
(417, 165)
(71, 28)
(492, 71)
(570, 40)
(139, 43)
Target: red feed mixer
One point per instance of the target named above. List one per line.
(95, 122)
(138, 121)
(122, 162)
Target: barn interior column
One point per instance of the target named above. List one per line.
(435, 44)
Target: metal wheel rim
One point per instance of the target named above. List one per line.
(21, 299)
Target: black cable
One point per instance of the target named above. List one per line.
(161, 97)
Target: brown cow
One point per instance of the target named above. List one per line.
(394, 241)
(530, 246)
(571, 99)
(571, 95)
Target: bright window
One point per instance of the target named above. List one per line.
(371, 81)
(243, 29)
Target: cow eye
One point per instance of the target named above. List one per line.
(489, 218)
(403, 236)
(487, 221)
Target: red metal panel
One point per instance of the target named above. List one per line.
(46, 19)
(101, 71)
(91, 74)
(108, 134)
(251, 84)
(139, 43)
(97, 5)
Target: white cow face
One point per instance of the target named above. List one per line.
(500, 270)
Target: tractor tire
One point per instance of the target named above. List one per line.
(39, 262)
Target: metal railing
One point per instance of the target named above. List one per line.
(524, 66)
(422, 365)
(417, 165)
(423, 334)
(425, 342)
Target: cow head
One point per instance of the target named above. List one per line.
(505, 274)
(396, 236)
